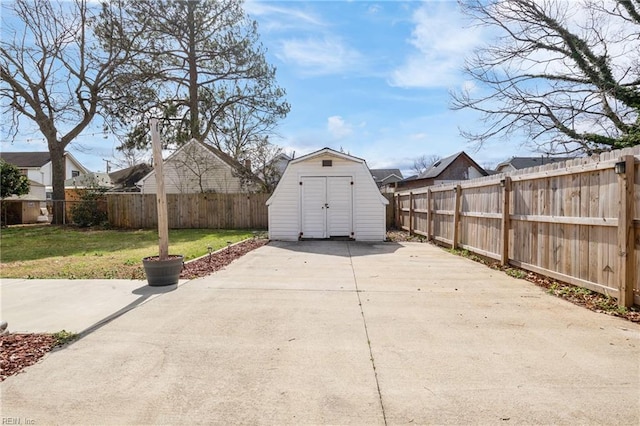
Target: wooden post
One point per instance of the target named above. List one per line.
(396, 220)
(396, 206)
(411, 213)
(506, 195)
(161, 197)
(456, 218)
(429, 218)
(626, 265)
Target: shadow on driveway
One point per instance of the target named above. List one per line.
(338, 248)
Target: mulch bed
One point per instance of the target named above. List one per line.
(216, 261)
(18, 351)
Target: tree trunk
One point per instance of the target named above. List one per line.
(194, 110)
(58, 176)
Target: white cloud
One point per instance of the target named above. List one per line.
(328, 55)
(441, 43)
(278, 18)
(338, 128)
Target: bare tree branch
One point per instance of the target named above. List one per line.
(566, 74)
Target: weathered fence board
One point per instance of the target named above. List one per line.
(218, 211)
(577, 221)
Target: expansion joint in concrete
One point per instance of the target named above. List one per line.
(366, 332)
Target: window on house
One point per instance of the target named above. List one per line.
(327, 163)
(49, 195)
(75, 173)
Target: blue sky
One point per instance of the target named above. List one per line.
(372, 78)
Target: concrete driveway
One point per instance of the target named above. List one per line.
(342, 333)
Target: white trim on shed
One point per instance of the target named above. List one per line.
(327, 194)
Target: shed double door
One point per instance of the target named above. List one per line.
(326, 206)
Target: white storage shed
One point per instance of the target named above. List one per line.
(327, 194)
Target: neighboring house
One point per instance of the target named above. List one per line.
(125, 180)
(272, 172)
(517, 163)
(37, 167)
(199, 168)
(454, 168)
(88, 181)
(327, 194)
(280, 163)
(386, 179)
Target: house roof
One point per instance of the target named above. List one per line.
(412, 177)
(35, 159)
(127, 178)
(525, 162)
(26, 159)
(440, 166)
(380, 175)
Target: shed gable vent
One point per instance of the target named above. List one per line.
(327, 163)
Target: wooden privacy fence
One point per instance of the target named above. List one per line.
(577, 221)
(219, 211)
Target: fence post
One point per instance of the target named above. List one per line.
(411, 213)
(625, 169)
(396, 207)
(429, 214)
(505, 225)
(456, 218)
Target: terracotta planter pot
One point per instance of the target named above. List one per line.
(163, 272)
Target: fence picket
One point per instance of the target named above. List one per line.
(561, 219)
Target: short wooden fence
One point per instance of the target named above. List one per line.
(578, 221)
(218, 211)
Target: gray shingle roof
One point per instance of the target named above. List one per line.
(439, 166)
(26, 159)
(524, 162)
(380, 175)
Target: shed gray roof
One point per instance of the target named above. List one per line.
(26, 159)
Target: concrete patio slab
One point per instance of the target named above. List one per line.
(342, 333)
(48, 306)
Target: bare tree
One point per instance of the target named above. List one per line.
(55, 74)
(263, 159)
(242, 131)
(564, 73)
(422, 163)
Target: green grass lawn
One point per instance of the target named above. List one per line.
(64, 252)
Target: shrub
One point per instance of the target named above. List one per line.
(89, 211)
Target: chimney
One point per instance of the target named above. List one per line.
(247, 164)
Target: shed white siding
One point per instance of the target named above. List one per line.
(368, 209)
